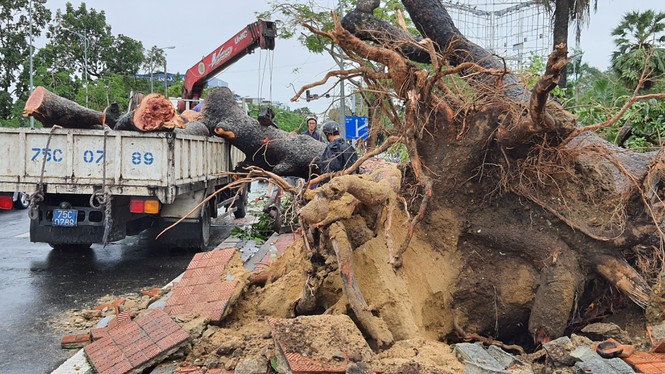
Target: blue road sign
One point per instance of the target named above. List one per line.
(357, 127)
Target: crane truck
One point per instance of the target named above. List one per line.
(96, 186)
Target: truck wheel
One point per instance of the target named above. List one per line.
(70, 247)
(205, 226)
(22, 201)
(241, 204)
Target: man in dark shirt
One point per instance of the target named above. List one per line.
(311, 129)
(339, 154)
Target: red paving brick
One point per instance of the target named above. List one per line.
(648, 362)
(151, 292)
(202, 291)
(281, 244)
(119, 320)
(135, 344)
(284, 241)
(307, 334)
(75, 341)
(300, 364)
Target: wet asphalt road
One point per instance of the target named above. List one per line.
(38, 285)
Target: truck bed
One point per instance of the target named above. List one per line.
(161, 164)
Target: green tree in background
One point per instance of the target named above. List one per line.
(15, 46)
(640, 38)
(564, 12)
(75, 33)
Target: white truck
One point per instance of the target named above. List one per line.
(92, 186)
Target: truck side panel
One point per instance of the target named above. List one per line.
(150, 164)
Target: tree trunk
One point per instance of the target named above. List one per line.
(51, 109)
(270, 148)
(561, 22)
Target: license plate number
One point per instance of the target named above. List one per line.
(65, 217)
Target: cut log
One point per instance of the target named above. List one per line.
(111, 115)
(268, 147)
(194, 128)
(51, 109)
(155, 113)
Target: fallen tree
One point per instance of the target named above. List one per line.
(518, 219)
(503, 182)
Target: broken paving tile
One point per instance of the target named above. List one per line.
(75, 341)
(477, 360)
(591, 362)
(151, 292)
(602, 331)
(559, 350)
(202, 291)
(318, 344)
(505, 359)
(136, 345)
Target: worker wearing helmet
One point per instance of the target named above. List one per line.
(311, 129)
(339, 154)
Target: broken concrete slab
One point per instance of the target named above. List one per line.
(476, 359)
(252, 366)
(318, 344)
(559, 350)
(504, 358)
(591, 362)
(603, 331)
(134, 346)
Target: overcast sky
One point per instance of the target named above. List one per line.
(197, 28)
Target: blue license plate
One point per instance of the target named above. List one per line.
(65, 217)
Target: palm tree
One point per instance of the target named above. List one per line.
(640, 38)
(565, 11)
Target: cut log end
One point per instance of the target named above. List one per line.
(226, 134)
(156, 113)
(34, 101)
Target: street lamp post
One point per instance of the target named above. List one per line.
(166, 87)
(152, 89)
(84, 37)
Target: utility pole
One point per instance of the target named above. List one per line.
(151, 69)
(32, 85)
(166, 87)
(84, 37)
(85, 61)
(342, 104)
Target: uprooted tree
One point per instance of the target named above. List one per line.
(510, 218)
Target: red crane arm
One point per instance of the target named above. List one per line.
(260, 34)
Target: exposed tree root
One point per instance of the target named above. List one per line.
(306, 304)
(625, 278)
(561, 282)
(469, 337)
(373, 325)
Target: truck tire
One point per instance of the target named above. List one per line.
(205, 227)
(187, 235)
(21, 201)
(241, 204)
